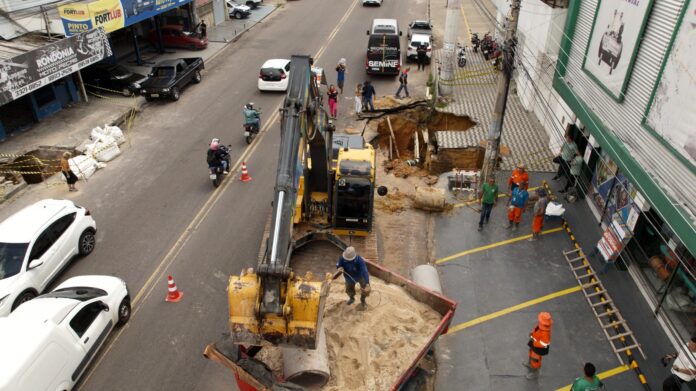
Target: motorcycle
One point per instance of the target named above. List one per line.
(217, 172)
(487, 46)
(461, 56)
(475, 42)
(251, 130)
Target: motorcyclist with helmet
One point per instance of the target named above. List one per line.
(218, 155)
(252, 116)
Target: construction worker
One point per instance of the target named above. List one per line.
(589, 382)
(519, 175)
(354, 271)
(539, 341)
(538, 215)
(517, 205)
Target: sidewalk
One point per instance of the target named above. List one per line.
(68, 128)
(501, 281)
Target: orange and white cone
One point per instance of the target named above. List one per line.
(245, 174)
(174, 295)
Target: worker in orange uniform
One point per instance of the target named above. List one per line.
(539, 341)
(519, 176)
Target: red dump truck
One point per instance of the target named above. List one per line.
(252, 375)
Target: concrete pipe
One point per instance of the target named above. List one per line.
(426, 275)
(305, 367)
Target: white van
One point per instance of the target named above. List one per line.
(48, 342)
(384, 26)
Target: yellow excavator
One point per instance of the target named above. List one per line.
(323, 185)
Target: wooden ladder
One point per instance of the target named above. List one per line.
(613, 325)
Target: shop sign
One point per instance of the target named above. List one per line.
(112, 14)
(32, 70)
(78, 18)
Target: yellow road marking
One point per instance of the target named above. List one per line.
(208, 206)
(603, 375)
(466, 22)
(514, 308)
(476, 201)
(493, 245)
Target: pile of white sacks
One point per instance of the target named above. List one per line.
(102, 147)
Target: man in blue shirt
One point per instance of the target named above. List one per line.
(518, 203)
(354, 271)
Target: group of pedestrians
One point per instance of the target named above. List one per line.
(364, 92)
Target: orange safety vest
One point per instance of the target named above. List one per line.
(518, 177)
(539, 341)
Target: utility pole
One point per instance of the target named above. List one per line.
(448, 48)
(490, 162)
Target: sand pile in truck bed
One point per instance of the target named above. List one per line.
(368, 350)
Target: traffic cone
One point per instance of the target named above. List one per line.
(245, 174)
(174, 295)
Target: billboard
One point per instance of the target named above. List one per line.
(671, 114)
(613, 43)
(112, 14)
(32, 70)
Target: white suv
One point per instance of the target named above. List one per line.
(36, 243)
(48, 343)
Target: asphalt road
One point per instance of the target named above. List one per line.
(157, 212)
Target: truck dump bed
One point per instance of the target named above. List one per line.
(252, 374)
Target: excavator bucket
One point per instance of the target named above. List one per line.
(243, 298)
(304, 309)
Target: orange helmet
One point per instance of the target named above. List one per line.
(545, 320)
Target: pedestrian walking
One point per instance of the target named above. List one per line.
(421, 54)
(564, 157)
(575, 170)
(539, 341)
(403, 82)
(683, 367)
(341, 74)
(354, 272)
(588, 382)
(538, 214)
(358, 99)
(519, 175)
(517, 205)
(369, 96)
(488, 198)
(333, 100)
(70, 176)
(204, 29)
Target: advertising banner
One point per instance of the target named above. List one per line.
(32, 70)
(672, 113)
(613, 43)
(112, 14)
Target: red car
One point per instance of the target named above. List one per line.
(175, 37)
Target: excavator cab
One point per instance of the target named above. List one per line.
(353, 191)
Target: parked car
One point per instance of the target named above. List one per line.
(274, 75)
(254, 3)
(416, 41)
(113, 77)
(236, 10)
(372, 2)
(48, 343)
(174, 36)
(169, 77)
(36, 243)
(420, 27)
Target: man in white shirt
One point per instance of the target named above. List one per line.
(683, 367)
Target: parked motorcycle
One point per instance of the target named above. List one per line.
(486, 46)
(461, 56)
(217, 172)
(475, 42)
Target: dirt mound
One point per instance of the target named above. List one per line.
(394, 202)
(387, 102)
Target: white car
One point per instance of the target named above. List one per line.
(416, 41)
(372, 2)
(48, 343)
(36, 243)
(254, 3)
(274, 75)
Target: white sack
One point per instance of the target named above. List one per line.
(83, 166)
(554, 209)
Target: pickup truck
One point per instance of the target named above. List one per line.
(169, 77)
(419, 27)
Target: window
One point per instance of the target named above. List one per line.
(81, 322)
(287, 67)
(11, 258)
(62, 224)
(42, 244)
